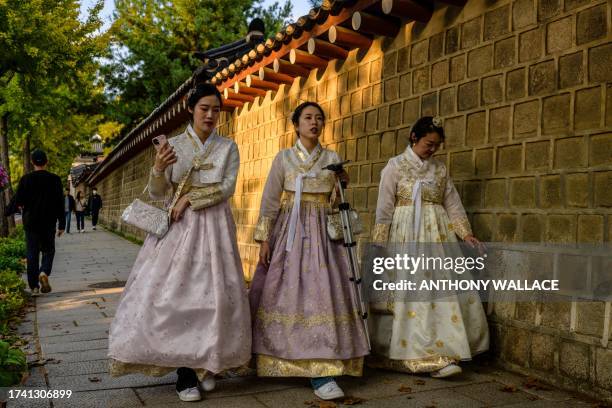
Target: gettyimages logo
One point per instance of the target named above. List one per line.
(496, 271)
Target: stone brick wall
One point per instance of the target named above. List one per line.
(525, 89)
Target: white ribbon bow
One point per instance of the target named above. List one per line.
(416, 199)
(295, 210)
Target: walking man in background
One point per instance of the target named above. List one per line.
(95, 204)
(41, 200)
(69, 208)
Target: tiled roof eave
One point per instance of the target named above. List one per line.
(264, 54)
(317, 30)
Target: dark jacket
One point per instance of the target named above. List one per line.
(71, 203)
(95, 203)
(41, 196)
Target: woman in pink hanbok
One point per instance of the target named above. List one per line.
(185, 306)
(305, 324)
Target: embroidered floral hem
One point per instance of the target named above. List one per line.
(269, 366)
(421, 365)
(118, 368)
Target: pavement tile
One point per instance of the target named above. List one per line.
(81, 356)
(550, 393)
(68, 338)
(227, 402)
(103, 381)
(102, 399)
(77, 368)
(494, 393)
(434, 399)
(75, 346)
(292, 397)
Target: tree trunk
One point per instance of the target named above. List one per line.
(4, 159)
(27, 164)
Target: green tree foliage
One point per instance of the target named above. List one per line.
(153, 41)
(50, 93)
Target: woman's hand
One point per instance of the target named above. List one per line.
(264, 253)
(344, 177)
(473, 242)
(165, 157)
(179, 208)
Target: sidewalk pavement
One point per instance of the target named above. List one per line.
(68, 338)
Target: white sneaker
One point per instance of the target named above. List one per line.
(190, 394)
(35, 292)
(94, 228)
(448, 371)
(208, 384)
(329, 391)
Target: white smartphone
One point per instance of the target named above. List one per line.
(159, 141)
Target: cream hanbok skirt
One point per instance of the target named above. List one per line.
(419, 336)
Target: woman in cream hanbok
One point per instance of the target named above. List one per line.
(304, 320)
(185, 305)
(417, 202)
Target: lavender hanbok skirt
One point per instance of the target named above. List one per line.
(185, 302)
(305, 322)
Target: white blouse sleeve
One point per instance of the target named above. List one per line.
(385, 205)
(270, 200)
(456, 213)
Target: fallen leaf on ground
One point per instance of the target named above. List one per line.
(94, 379)
(532, 398)
(534, 383)
(508, 388)
(404, 388)
(327, 404)
(353, 400)
(419, 382)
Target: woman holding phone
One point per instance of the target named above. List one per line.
(184, 306)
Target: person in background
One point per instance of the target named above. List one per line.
(80, 205)
(69, 208)
(40, 198)
(94, 205)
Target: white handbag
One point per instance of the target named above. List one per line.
(147, 217)
(151, 219)
(334, 225)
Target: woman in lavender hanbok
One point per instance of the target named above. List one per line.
(304, 322)
(185, 305)
(418, 203)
